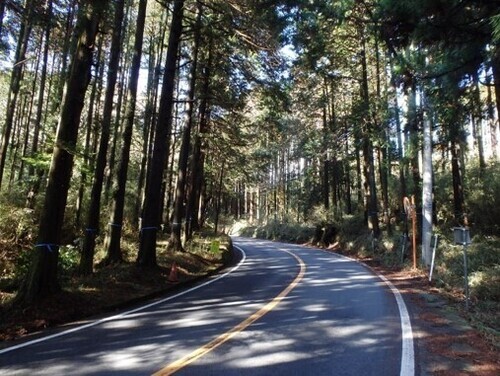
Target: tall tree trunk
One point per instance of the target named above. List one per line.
(118, 204)
(477, 123)
(399, 143)
(167, 188)
(25, 140)
(197, 173)
(155, 59)
(68, 48)
(490, 109)
(15, 84)
(29, 113)
(41, 279)
(175, 242)
(198, 159)
(383, 134)
(493, 123)
(22, 117)
(87, 255)
(326, 162)
(117, 124)
(148, 134)
(495, 65)
(43, 79)
(427, 186)
(116, 128)
(384, 163)
(414, 147)
(458, 190)
(37, 126)
(152, 215)
(359, 177)
(218, 199)
(370, 191)
(90, 128)
(347, 171)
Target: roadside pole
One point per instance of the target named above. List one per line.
(461, 236)
(427, 193)
(410, 210)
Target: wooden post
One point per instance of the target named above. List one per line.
(411, 212)
(414, 230)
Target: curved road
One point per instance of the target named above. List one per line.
(282, 310)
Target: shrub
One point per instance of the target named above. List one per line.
(16, 234)
(483, 199)
(483, 268)
(69, 257)
(485, 284)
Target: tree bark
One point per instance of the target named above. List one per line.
(117, 127)
(175, 242)
(90, 128)
(490, 110)
(427, 192)
(326, 162)
(218, 200)
(414, 142)
(477, 123)
(496, 78)
(37, 126)
(370, 190)
(399, 140)
(87, 255)
(41, 279)
(155, 53)
(68, 48)
(458, 191)
(152, 215)
(151, 120)
(198, 158)
(114, 253)
(347, 172)
(22, 116)
(43, 80)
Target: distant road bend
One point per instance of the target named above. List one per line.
(282, 310)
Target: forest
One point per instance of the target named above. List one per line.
(134, 130)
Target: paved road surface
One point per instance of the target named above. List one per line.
(283, 310)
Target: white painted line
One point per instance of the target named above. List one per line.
(111, 318)
(407, 351)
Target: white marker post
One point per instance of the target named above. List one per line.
(461, 236)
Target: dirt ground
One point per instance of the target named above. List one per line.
(445, 342)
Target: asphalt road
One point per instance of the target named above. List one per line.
(282, 310)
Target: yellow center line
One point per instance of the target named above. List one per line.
(205, 349)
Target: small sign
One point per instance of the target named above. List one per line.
(461, 235)
(214, 247)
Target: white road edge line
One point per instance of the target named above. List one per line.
(123, 314)
(407, 350)
(407, 354)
